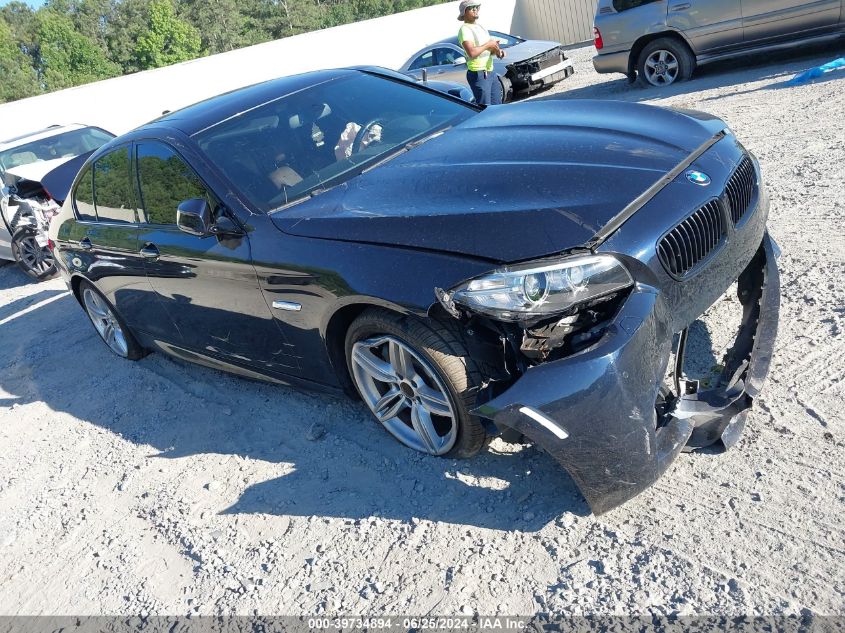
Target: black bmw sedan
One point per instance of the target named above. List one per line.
(530, 268)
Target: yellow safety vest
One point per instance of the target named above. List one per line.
(479, 35)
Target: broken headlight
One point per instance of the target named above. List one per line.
(528, 291)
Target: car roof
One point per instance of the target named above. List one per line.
(454, 39)
(37, 135)
(206, 114)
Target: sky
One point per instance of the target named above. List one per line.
(32, 3)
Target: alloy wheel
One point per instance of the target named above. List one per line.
(105, 322)
(661, 68)
(405, 394)
(37, 259)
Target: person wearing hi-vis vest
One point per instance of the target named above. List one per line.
(480, 48)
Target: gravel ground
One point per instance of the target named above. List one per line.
(162, 488)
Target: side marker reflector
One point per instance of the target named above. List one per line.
(545, 422)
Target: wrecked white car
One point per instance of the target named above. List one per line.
(36, 171)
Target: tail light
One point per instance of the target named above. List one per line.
(597, 38)
(51, 245)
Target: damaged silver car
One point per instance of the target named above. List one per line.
(27, 163)
(530, 65)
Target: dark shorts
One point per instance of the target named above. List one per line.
(485, 87)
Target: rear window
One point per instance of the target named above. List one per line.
(104, 191)
(624, 5)
(83, 197)
(66, 145)
(113, 197)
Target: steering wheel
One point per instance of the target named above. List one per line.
(364, 132)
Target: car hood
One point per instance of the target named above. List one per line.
(527, 49)
(35, 171)
(514, 182)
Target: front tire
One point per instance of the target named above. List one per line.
(418, 381)
(506, 88)
(32, 258)
(664, 62)
(108, 324)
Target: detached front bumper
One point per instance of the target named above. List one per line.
(595, 412)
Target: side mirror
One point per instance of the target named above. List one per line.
(193, 216)
(459, 61)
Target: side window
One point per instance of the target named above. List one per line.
(624, 5)
(446, 56)
(423, 61)
(113, 199)
(166, 181)
(83, 196)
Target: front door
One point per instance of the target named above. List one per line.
(439, 64)
(771, 19)
(207, 284)
(709, 25)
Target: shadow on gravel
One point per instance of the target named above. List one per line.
(531, 490)
(339, 462)
(781, 65)
(10, 311)
(11, 276)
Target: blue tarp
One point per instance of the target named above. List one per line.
(816, 72)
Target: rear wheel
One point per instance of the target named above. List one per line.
(108, 324)
(418, 381)
(35, 260)
(665, 61)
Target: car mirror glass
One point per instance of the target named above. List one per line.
(459, 61)
(193, 216)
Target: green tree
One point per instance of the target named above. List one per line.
(167, 40)
(129, 20)
(219, 23)
(91, 18)
(66, 57)
(19, 78)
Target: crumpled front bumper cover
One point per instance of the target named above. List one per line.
(594, 412)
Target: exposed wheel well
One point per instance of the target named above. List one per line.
(645, 40)
(336, 343)
(336, 331)
(74, 286)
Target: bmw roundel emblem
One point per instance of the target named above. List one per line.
(698, 178)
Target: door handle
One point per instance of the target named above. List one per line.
(86, 244)
(681, 7)
(150, 251)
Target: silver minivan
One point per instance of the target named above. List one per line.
(661, 41)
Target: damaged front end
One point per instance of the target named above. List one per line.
(602, 381)
(591, 390)
(539, 71)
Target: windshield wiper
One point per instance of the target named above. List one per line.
(424, 139)
(401, 149)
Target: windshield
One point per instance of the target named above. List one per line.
(505, 40)
(66, 145)
(319, 137)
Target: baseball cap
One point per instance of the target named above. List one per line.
(466, 4)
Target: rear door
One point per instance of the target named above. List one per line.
(708, 25)
(207, 284)
(105, 237)
(775, 19)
